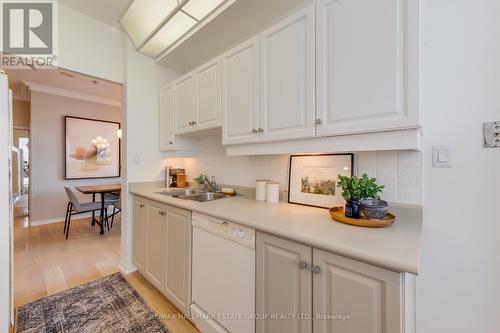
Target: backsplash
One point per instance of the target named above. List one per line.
(399, 171)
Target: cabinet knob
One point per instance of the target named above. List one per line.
(170, 142)
(318, 121)
(194, 123)
(161, 212)
(316, 269)
(141, 205)
(302, 265)
(190, 123)
(254, 131)
(261, 130)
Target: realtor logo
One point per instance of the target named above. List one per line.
(28, 33)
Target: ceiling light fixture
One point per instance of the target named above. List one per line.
(155, 25)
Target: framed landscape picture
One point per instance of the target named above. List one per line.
(313, 179)
(92, 148)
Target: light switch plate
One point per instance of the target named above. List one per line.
(491, 134)
(441, 156)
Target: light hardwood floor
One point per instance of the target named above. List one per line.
(45, 263)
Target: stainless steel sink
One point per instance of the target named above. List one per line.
(202, 197)
(193, 194)
(181, 192)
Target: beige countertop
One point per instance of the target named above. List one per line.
(396, 247)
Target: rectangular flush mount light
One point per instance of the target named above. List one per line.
(145, 16)
(199, 9)
(155, 25)
(174, 29)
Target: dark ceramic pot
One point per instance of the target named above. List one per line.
(352, 208)
(374, 208)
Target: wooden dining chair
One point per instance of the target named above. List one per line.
(75, 207)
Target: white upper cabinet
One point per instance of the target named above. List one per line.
(367, 65)
(207, 96)
(240, 93)
(184, 103)
(166, 105)
(288, 78)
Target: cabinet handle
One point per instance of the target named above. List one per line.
(254, 131)
(170, 142)
(195, 123)
(316, 270)
(190, 123)
(261, 130)
(303, 265)
(318, 121)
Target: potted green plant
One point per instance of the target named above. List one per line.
(358, 190)
(200, 180)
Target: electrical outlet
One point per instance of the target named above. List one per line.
(441, 156)
(491, 134)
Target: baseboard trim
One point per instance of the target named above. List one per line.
(125, 271)
(58, 219)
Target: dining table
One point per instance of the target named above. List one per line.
(99, 190)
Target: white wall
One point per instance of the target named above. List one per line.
(48, 199)
(400, 171)
(142, 80)
(458, 287)
(88, 46)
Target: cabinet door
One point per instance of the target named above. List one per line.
(288, 78)
(207, 96)
(184, 104)
(367, 65)
(283, 285)
(140, 219)
(155, 244)
(370, 295)
(178, 258)
(166, 107)
(240, 93)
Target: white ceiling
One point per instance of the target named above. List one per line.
(106, 11)
(78, 83)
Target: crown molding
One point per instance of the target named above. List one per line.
(71, 94)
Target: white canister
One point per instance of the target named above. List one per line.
(272, 192)
(260, 189)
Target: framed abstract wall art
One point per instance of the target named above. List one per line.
(92, 148)
(313, 179)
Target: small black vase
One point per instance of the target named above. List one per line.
(352, 208)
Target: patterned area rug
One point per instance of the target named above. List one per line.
(109, 304)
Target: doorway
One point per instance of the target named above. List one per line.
(22, 185)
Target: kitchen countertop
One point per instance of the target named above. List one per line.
(396, 247)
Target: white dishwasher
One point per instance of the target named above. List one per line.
(223, 276)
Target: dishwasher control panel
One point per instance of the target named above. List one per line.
(230, 230)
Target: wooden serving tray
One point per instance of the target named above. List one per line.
(337, 213)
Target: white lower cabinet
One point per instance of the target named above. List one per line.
(156, 224)
(303, 289)
(351, 296)
(177, 258)
(283, 285)
(139, 239)
(162, 249)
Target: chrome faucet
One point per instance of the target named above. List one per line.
(212, 185)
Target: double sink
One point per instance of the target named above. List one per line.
(193, 194)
